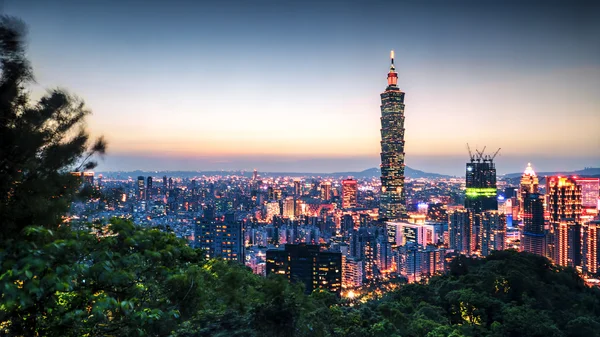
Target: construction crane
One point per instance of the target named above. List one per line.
(470, 153)
(495, 153)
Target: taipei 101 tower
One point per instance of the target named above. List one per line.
(392, 203)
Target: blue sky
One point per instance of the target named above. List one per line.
(295, 85)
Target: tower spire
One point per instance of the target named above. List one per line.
(392, 75)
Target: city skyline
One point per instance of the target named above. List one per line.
(183, 96)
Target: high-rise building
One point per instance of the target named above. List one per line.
(148, 188)
(349, 193)
(352, 272)
(590, 247)
(529, 184)
(221, 238)
(392, 204)
(481, 193)
(590, 190)
(165, 183)
(460, 227)
(307, 264)
(492, 231)
(140, 188)
(326, 191)
(567, 241)
(533, 238)
(563, 198)
(255, 175)
(289, 207)
(416, 262)
(297, 187)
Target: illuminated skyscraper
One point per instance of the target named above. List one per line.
(590, 190)
(564, 206)
(460, 228)
(349, 193)
(481, 193)
(326, 191)
(590, 247)
(493, 231)
(306, 264)
(148, 188)
(392, 203)
(529, 184)
(297, 187)
(564, 198)
(140, 188)
(533, 238)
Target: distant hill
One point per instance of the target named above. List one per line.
(372, 172)
(588, 171)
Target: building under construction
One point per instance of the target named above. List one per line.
(481, 182)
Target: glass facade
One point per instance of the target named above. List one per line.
(392, 202)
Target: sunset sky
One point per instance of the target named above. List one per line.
(295, 87)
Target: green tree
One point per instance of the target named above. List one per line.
(39, 142)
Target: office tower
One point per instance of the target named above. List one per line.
(563, 198)
(392, 201)
(364, 246)
(270, 193)
(533, 238)
(349, 193)
(140, 188)
(297, 187)
(481, 193)
(220, 238)
(289, 207)
(590, 247)
(416, 262)
(402, 233)
(460, 227)
(255, 175)
(326, 191)
(352, 275)
(384, 255)
(567, 241)
(590, 190)
(148, 188)
(529, 184)
(170, 183)
(165, 183)
(347, 224)
(493, 231)
(306, 264)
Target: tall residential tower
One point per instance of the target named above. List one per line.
(392, 204)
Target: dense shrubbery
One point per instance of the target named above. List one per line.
(123, 280)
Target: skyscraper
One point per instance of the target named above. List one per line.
(591, 247)
(305, 263)
(564, 198)
(529, 184)
(481, 193)
(533, 239)
(297, 187)
(349, 193)
(148, 188)
(326, 191)
(460, 227)
(493, 231)
(140, 188)
(392, 202)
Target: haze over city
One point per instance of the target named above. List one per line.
(295, 87)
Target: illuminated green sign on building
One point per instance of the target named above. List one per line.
(474, 192)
